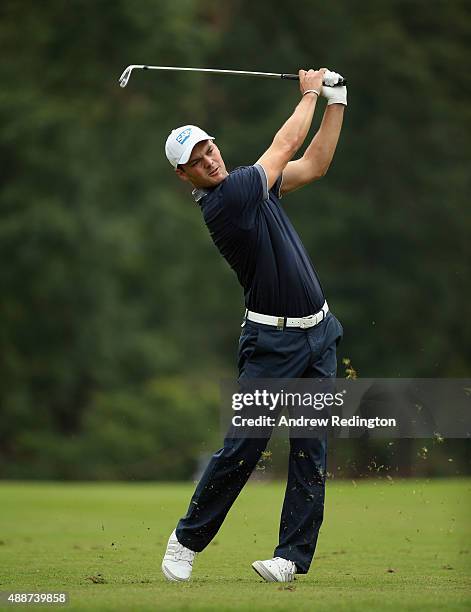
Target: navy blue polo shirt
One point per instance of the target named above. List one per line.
(255, 236)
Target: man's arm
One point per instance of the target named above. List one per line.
(316, 160)
(292, 134)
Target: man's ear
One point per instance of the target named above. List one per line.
(182, 174)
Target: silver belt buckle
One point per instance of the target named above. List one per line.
(281, 323)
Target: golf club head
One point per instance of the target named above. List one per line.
(124, 78)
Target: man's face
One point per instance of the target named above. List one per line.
(205, 168)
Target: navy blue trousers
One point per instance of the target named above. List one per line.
(265, 352)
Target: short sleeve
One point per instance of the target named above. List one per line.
(243, 191)
(277, 187)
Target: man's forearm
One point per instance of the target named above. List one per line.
(320, 152)
(294, 131)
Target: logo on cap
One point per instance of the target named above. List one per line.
(183, 136)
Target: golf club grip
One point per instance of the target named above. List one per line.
(295, 77)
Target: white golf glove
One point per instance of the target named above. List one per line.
(334, 95)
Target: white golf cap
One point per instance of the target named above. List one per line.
(181, 141)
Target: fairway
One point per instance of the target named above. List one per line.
(402, 545)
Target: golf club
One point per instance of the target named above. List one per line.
(124, 78)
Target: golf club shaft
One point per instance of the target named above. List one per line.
(124, 78)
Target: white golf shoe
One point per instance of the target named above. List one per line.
(178, 560)
(275, 570)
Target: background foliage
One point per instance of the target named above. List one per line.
(117, 315)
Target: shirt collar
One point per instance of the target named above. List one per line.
(198, 194)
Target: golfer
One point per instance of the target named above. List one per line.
(288, 330)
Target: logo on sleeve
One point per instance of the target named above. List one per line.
(183, 136)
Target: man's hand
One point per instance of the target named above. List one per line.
(334, 95)
(311, 79)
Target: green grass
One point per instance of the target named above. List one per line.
(54, 537)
